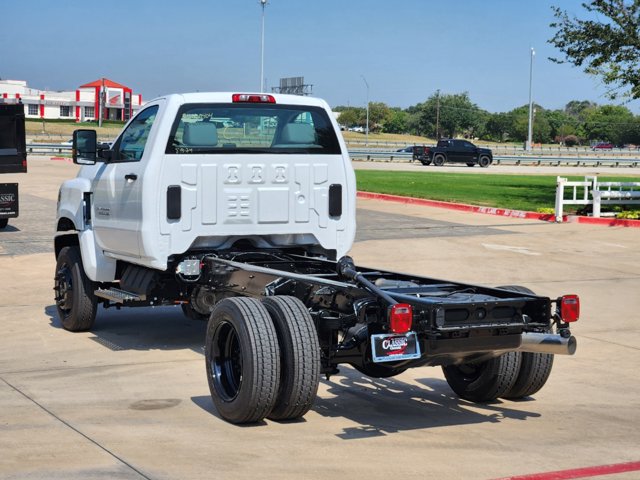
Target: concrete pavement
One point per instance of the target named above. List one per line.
(129, 400)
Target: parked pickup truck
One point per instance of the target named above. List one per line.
(13, 157)
(454, 151)
(248, 227)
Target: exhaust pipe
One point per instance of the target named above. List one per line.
(548, 343)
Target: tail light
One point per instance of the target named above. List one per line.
(400, 318)
(569, 308)
(252, 98)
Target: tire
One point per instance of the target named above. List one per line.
(485, 381)
(300, 357)
(3, 223)
(439, 160)
(242, 360)
(484, 161)
(75, 301)
(535, 368)
(471, 164)
(426, 163)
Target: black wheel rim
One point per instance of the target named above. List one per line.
(226, 362)
(64, 289)
(469, 371)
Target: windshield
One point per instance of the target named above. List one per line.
(242, 128)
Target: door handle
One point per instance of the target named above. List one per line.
(131, 177)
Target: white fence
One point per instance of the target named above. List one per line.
(595, 193)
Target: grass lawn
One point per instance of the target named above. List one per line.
(516, 192)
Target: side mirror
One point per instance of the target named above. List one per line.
(85, 147)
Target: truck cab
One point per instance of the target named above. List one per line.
(204, 171)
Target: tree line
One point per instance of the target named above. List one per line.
(455, 115)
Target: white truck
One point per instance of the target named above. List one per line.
(241, 209)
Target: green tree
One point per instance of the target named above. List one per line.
(378, 114)
(397, 121)
(450, 115)
(607, 44)
(350, 116)
(611, 123)
(499, 127)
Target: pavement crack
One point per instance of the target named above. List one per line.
(68, 425)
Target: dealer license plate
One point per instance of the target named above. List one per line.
(389, 348)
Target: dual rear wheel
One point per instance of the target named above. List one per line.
(513, 375)
(262, 359)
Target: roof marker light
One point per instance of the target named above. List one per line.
(252, 98)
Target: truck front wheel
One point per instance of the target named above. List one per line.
(242, 360)
(484, 161)
(300, 354)
(439, 160)
(75, 301)
(484, 381)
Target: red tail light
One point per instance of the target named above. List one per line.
(252, 98)
(569, 308)
(400, 318)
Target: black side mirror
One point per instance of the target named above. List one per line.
(85, 149)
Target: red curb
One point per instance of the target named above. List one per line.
(580, 472)
(463, 207)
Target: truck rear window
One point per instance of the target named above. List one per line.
(237, 128)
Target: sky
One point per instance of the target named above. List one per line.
(405, 49)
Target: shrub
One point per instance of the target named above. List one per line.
(571, 141)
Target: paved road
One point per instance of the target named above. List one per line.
(505, 169)
(129, 400)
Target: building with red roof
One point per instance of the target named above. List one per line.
(116, 101)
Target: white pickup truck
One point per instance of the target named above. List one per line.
(241, 208)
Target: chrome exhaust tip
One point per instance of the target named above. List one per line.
(548, 343)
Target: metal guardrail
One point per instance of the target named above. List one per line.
(386, 156)
(531, 160)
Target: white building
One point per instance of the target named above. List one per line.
(118, 101)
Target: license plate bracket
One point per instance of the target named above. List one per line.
(392, 347)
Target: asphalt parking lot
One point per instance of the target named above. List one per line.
(130, 400)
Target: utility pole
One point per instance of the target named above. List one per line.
(530, 133)
(367, 129)
(438, 114)
(263, 3)
(101, 103)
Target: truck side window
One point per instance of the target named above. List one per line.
(133, 140)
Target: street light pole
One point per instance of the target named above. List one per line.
(263, 3)
(530, 133)
(367, 127)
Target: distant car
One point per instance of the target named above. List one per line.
(602, 146)
(357, 129)
(408, 149)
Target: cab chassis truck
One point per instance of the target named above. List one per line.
(240, 208)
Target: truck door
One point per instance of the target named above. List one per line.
(117, 189)
(467, 152)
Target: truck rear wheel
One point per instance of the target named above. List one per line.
(484, 381)
(535, 368)
(439, 160)
(75, 301)
(300, 357)
(242, 360)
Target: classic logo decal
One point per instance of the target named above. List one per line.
(395, 345)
